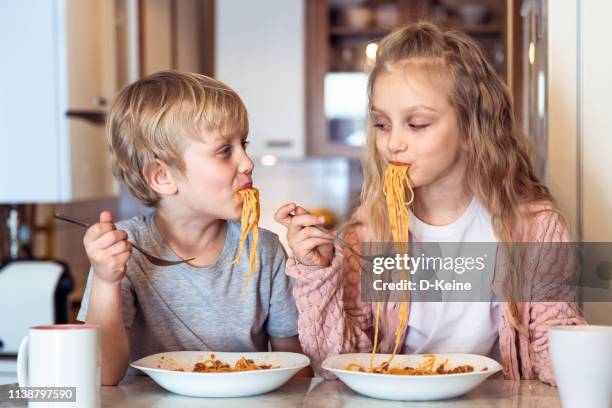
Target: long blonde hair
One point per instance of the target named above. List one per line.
(498, 172)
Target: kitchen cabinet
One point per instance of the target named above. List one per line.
(341, 38)
(62, 63)
(259, 52)
(176, 35)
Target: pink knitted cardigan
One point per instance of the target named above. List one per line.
(333, 320)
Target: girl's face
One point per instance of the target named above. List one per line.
(215, 170)
(415, 124)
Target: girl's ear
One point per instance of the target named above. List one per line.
(160, 178)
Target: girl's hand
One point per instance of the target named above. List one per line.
(309, 245)
(107, 249)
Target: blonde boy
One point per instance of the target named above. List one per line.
(177, 143)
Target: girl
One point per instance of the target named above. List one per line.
(437, 106)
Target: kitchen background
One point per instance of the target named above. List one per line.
(300, 67)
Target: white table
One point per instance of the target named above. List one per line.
(140, 391)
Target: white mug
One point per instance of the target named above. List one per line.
(582, 362)
(62, 355)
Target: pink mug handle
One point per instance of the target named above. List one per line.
(22, 362)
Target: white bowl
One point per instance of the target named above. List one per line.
(228, 385)
(411, 387)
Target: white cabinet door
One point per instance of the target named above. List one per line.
(259, 52)
(53, 60)
(29, 111)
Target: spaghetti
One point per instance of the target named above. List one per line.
(248, 221)
(426, 367)
(395, 183)
(394, 187)
(212, 365)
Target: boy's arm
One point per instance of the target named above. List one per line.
(291, 344)
(108, 251)
(105, 310)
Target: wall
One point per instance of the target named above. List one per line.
(313, 184)
(580, 136)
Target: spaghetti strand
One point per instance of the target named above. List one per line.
(395, 183)
(249, 221)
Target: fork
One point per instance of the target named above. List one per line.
(153, 259)
(342, 242)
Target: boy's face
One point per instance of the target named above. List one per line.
(216, 168)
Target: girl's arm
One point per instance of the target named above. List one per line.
(544, 315)
(332, 319)
(557, 264)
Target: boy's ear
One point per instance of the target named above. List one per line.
(160, 178)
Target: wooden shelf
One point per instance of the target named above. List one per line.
(483, 29)
(348, 71)
(358, 32)
(335, 46)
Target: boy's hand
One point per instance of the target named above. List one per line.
(107, 249)
(309, 245)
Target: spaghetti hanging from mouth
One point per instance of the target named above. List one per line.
(395, 184)
(248, 221)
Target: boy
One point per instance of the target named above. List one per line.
(177, 143)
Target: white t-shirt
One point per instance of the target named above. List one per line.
(454, 327)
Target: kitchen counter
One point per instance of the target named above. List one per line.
(141, 391)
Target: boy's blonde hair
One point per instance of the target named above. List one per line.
(155, 116)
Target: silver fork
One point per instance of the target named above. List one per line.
(344, 244)
(153, 259)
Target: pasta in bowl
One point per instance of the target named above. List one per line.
(221, 374)
(412, 377)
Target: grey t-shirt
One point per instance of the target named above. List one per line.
(185, 308)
